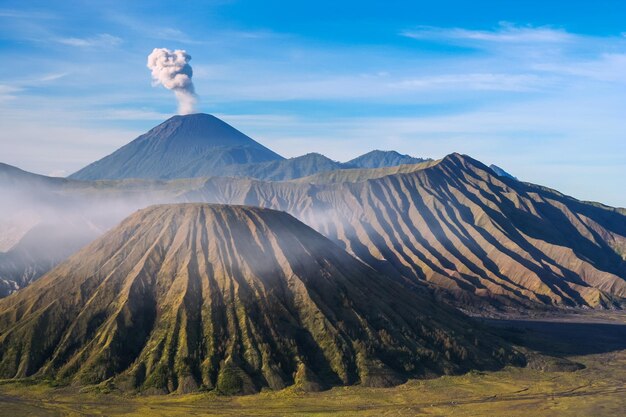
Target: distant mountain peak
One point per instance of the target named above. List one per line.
(382, 159)
(198, 129)
(380, 152)
(313, 155)
(14, 176)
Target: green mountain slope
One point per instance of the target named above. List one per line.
(189, 296)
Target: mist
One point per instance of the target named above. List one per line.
(46, 221)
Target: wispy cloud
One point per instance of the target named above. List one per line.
(506, 33)
(154, 30)
(474, 82)
(100, 40)
(26, 14)
(58, 173)
(607, 67)
(50, 77)
(8, 92)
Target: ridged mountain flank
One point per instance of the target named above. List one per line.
(481, 240)
(195, 145)
(196, 296)
(478, 239)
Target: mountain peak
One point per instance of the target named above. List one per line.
(198, 129)
(461, 159)
(13, 176)
(382, 159)
(314, 155)
(194, 145)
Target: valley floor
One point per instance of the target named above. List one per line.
(597, 340)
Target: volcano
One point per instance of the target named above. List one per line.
(197, 296)
(195, 145)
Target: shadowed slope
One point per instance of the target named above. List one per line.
(234, 298)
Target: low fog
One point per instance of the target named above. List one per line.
(44, 223)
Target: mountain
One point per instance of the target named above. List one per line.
(381, 159)
(39, 250)
(201, 145)
(43, 220)
(23, 212)
(196, 145)
(501, 172)
(11, 176)
(479, 240)
(286, 169)
(233, 298)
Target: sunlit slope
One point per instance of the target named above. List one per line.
(459, 227)
(232, 298)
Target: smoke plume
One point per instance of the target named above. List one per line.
(171, 69)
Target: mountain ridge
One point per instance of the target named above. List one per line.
(201, 145)
(480, 240)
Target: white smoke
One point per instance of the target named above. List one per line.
(171, 69)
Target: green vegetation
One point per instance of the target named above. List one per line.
(197, 297)
(596, 390)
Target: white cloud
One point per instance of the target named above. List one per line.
(8, 92)
(505, 33)
(608, 67)
(50, 77)
(101, 40)
(26, 14)
(474, 81)
(57, 173)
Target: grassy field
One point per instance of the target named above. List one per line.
(597, 390)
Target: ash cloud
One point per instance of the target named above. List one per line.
(171, 69)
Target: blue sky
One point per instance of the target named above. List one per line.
(537, 87)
